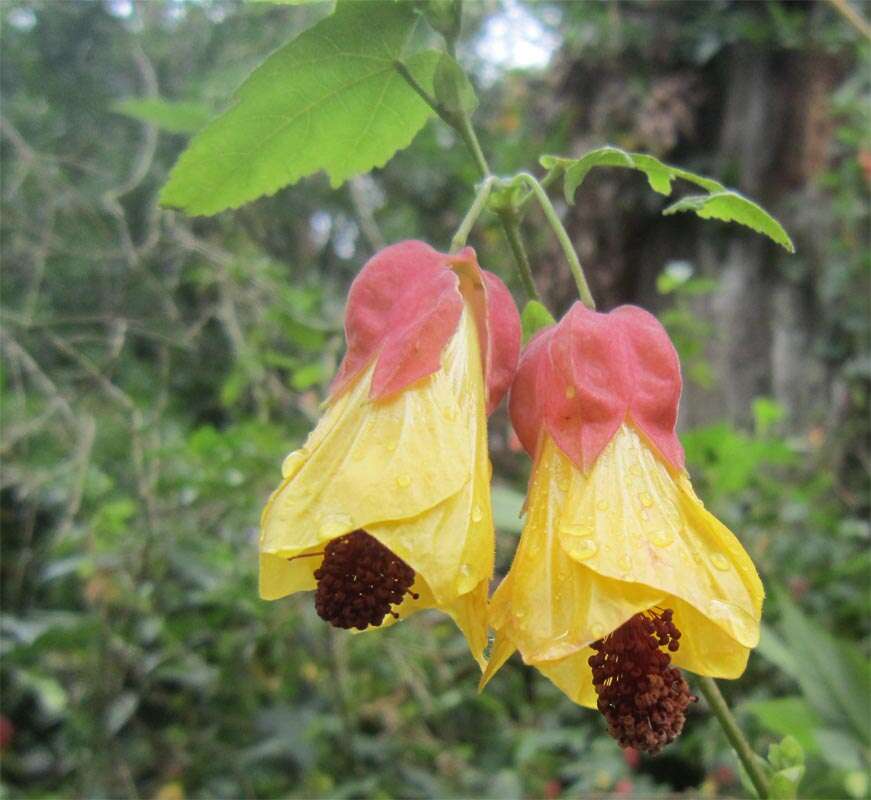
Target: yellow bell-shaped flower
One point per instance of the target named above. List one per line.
(621, 574)
(386, 508)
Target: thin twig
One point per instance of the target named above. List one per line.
(852, 16)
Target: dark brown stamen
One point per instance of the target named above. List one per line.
(643, 699)
(359, 580)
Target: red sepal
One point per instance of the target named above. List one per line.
(405, 305)
(581, 378)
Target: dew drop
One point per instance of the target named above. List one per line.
(720, 561)
(598, 631)
(570, 392)
(465, 570)
(403, 481)
(580, 548)
(293, 462)
(662, 538)
(602, 505)
(477, 514)
(625, 563)
(562, 484)
(335, 524)
(450, 413)
(645, 499)
(391, 446)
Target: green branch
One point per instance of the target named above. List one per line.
(733, 733)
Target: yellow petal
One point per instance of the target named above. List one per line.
(632, 519)
(469, 612)
(280, 576)
(503, 648)
(573, 675)
(369, 463)
(413, 472)
(601, 546)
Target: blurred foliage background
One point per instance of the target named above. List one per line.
(156, 369)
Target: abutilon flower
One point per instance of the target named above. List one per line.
(621, 576)
(386, 508)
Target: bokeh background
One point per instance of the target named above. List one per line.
(156, 368)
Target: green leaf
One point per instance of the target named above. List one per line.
(786, 759)
(832, 673)
(331, 99)
(788, 716)
(721, 203)
(452, 88)
(535, 316)
(168, 115)
(659, 175)
(730, 206)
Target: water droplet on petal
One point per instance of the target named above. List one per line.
(625, 563)
(465, 570)
(294, 462)
(598, 630)
(662, 538)
(602, 505)
(403, 481)
(391, 446)
(580, 548)
(562, 484)
(450, 413)
(645, 499)
(570, 392)
(335, 524)
(720, 561)
(477, 514)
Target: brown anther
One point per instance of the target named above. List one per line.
(643, 699)
(359, 580)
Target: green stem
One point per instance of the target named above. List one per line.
(462, 124)
(465, 129)
(511, 224)
(565, 242)
(546, 181)
(481, 197)
(733, 733)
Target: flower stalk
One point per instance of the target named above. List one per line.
(565, 242)
(740, 745)
(478, 205)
